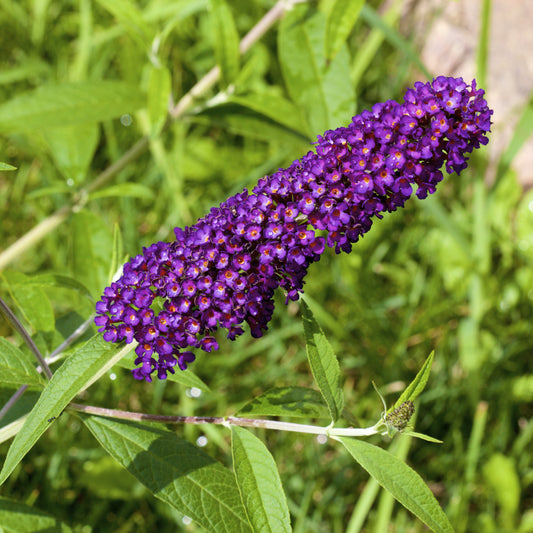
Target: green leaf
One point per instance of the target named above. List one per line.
(323, 362)
(78, 372)
(92, 250)
(31, 301)
(421, 436)
(134, 190)
(17, 367)
(259, 483)
(20, 518)
(341, 19)
(73, 148)
(175, 471)
(247, 121)
(184, 377)
(131, 18)
(322, 89)
(287, 401)
(69, 103)
(159, 87)
(416, 386)
(59, 280)
(401, 481)
(6, 166)
(275, 108)
(226, 41)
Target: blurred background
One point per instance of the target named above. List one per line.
(452, 273)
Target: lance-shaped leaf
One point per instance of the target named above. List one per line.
(324, 364)
(68, 103)
(16, 367)
(225, 40)
(416, 386)
(259, 483)
(175, 471)
(341, 19)
(79, 371)
(287, 401)
(322, 89)
(401, 481)
(21, 518)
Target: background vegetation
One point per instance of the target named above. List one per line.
(451, 273)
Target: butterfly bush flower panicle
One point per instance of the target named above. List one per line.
(222, 271)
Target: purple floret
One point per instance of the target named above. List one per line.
(222, 272)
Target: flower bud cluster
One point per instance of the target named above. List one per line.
(222, 271)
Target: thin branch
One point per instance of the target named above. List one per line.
(227, 421)
(15, 322)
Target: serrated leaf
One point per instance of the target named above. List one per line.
(175, 471)
(324, 363)
(401, 481)
(92, 249)
(73, 148)
(6, 166)
(322, 89)
(183, 377)
(225, 41)
(259, 483)
(17, 517)
(134, 190)
(159, 86)
(16, 367)
(341, 19)
(69, 103)
(79, 371)
(416, 386)
(287, 401)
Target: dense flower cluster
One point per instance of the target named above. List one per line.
(223, 271)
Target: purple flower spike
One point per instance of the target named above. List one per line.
(223, 271)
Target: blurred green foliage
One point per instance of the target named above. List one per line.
(452, 273)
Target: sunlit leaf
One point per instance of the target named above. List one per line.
(73, 147)
(401, 481)
(322, 89)
(69, 103)
(159, 87)
(416, 386)
(341, 19)
(259, 483)
(287, 401)
(175, 471)
(76, 373)
(225, 41)
(324, 363)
